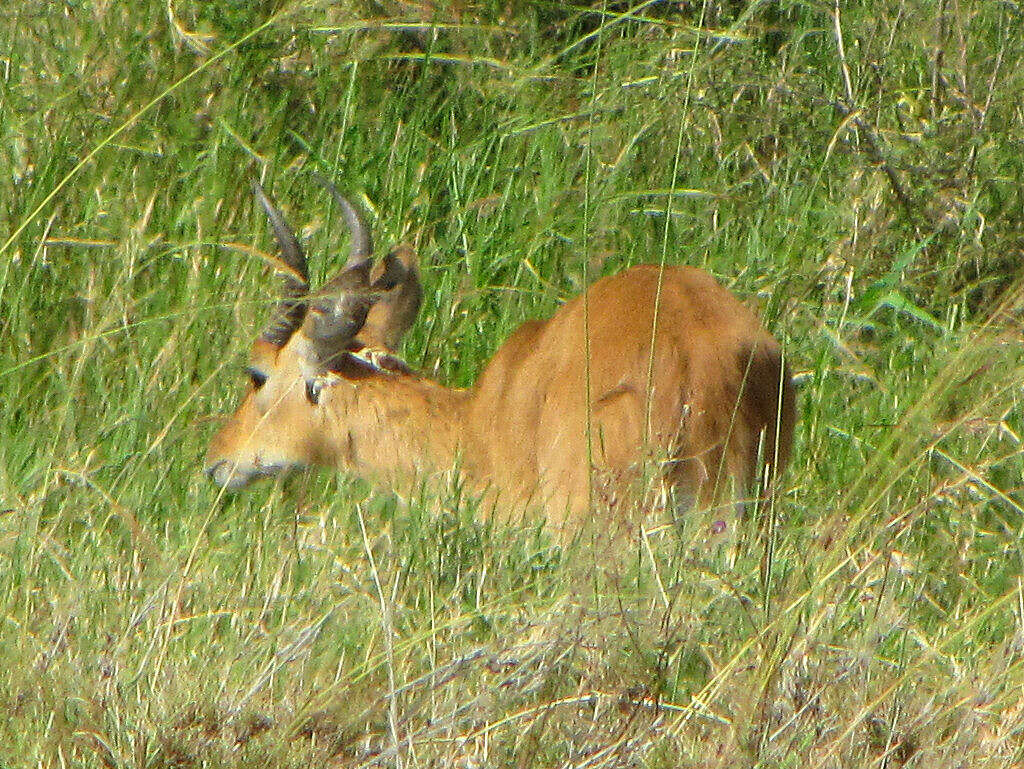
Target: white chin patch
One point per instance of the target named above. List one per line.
(232, 478)
(228, 477)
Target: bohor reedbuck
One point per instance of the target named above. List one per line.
(655, 367)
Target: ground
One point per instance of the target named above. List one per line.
(854, 171)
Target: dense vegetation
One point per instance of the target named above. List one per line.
(854, 170)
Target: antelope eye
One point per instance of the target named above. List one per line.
(313, 388)
(257, 377)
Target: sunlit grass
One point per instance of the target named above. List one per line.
(874, 620)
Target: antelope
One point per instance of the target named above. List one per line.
(655, 362)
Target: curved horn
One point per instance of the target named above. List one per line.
(362, 242)
(338, 311)
(291, 265)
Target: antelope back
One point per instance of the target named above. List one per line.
(679, 373)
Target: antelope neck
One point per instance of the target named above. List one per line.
(396, 426)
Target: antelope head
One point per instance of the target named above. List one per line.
(349, 329)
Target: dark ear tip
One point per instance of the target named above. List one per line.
(405, 253)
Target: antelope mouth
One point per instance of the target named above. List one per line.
(231, 477)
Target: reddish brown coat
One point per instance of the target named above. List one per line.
(703, 407)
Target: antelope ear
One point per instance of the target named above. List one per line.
(395, 281)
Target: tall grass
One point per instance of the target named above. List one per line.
(856, 172)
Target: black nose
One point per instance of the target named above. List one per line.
(211, 471)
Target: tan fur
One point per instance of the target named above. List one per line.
(699, 406)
